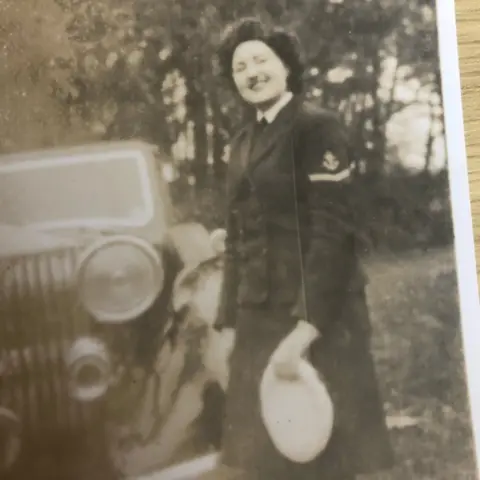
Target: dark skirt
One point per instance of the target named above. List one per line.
(360, 441)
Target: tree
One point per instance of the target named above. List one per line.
(147, 69)
(30, 117)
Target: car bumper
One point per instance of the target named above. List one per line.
(185, 471)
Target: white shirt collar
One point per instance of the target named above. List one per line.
(275, 109)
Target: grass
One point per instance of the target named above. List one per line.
(418, 350)
(417, 346)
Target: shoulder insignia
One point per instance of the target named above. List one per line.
(330, 162)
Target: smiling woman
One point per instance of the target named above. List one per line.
(258, 52)
(292, 269)
(259, 74)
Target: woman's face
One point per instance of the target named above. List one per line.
(259, 74)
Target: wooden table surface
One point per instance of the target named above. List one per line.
(468, 31)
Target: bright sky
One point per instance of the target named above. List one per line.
(407, 131)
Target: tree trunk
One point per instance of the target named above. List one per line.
(218, 149)
(430, 141)
(197, 112)
(219, 139)
(378, 135)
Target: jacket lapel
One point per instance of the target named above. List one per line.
(245, 155)
(272, 134)
(239, 158)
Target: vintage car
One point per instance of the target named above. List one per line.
(103, 340)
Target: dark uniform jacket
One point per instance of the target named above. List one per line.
(291, 211)
(277, 228)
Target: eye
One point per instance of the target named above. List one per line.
(260, 60)
(238, 68)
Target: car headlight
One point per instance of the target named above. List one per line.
(119, 278)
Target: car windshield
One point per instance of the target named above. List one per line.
(81, 191)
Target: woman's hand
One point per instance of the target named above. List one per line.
(286, 366)
(286, 358)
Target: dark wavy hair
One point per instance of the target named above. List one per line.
(285, 44)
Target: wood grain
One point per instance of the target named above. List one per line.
(468, 32)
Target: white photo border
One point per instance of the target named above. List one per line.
(461, 207)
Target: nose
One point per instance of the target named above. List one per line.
(251, 71)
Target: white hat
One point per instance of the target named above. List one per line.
(298, 414)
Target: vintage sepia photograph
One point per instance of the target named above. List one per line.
(229, 242)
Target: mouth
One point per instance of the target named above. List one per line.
(257, 86)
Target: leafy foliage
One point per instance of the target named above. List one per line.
(77, 71)
(147, 69)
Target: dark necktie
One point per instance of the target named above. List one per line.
(258, 129)
(261, 124)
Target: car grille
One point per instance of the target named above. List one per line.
(39, 318)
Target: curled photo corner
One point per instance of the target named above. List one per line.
(235, 242)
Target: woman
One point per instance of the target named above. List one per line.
(291, 265)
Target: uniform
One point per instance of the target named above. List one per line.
(292, 253)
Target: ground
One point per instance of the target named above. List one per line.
(418, 350)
